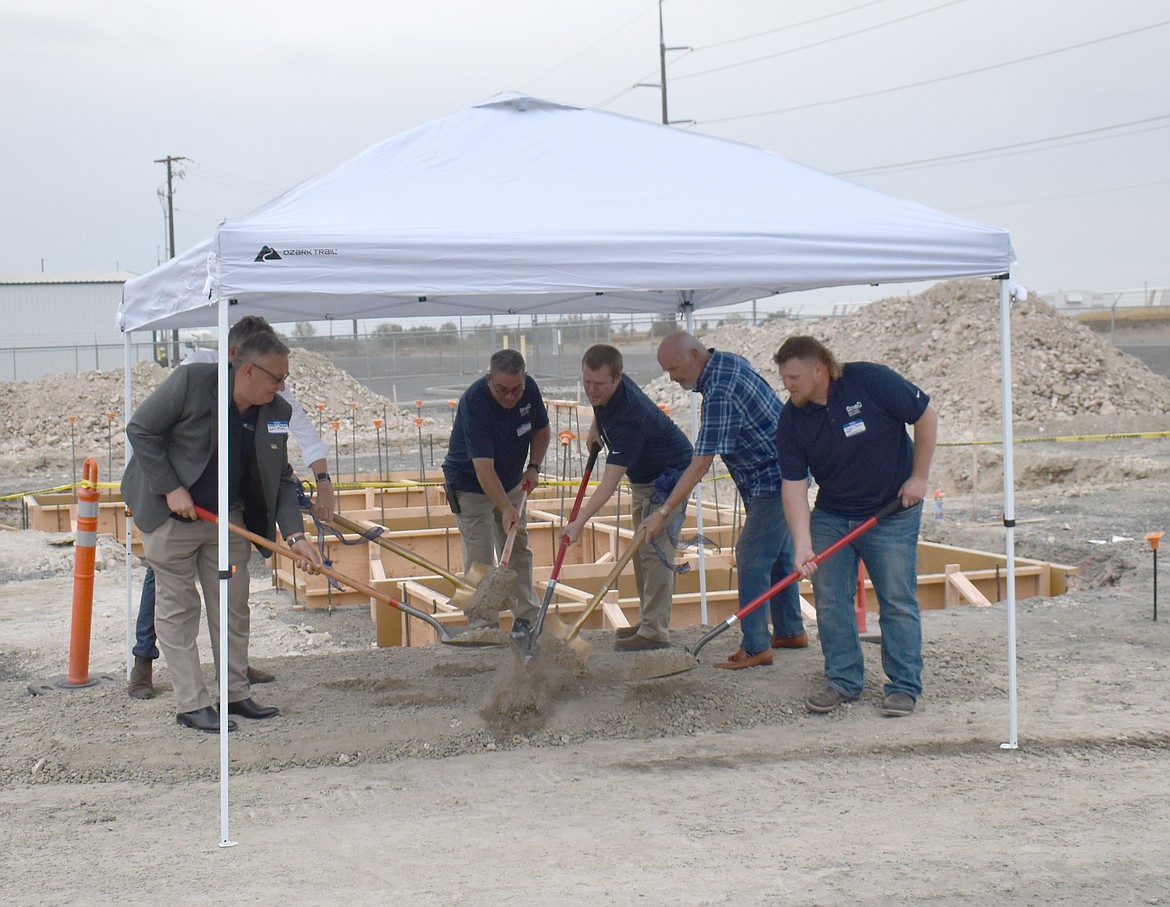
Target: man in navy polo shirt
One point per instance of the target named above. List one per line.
(739, 423)
(498, 441)
(847, 425)
(651, 451)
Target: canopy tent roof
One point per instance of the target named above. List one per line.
(520, 205)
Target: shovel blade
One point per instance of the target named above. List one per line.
(661, 664)
(462, 597)
(579, 646)
(474, 574)
(472, 637)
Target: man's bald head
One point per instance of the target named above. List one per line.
(683, 357)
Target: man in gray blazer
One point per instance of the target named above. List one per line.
(174, 435)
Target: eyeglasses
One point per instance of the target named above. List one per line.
(277, 378)
(504, 391)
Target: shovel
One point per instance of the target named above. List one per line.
(666, 664)
(463, 591)
(556, 570)
(494, 585)
(578, 645)
(445, 635)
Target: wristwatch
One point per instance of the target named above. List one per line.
(664, 511)
(535, 466)
(294, 538)
(323, 477)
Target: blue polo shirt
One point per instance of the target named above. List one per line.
(740, 410)
(856, 445)
(484, 428)
(640, 436)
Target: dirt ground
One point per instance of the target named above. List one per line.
(445, 775)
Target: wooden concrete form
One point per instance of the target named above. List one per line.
(57, 512)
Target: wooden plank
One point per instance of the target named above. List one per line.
(959, 587)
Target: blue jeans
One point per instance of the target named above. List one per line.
(145, 644)
(764, 557)
(890, 552)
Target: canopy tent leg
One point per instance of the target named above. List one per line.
(1009, 502)
(128, 369)
(689, 310)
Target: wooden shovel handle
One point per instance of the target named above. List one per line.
(635, 544)
(507, 555)
(292, 555)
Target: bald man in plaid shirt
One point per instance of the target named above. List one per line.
(740, 412)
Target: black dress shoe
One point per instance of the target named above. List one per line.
(204, 719)
(250, 708)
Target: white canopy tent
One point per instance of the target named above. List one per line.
(519, 205)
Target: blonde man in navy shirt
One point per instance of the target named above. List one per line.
(847, 425)
(649, 450)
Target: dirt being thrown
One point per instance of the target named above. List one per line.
(521, 700)
(492, 595)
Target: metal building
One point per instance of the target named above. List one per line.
(59, 323)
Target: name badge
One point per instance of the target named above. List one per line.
(856, 427)
(277, 428)
(523, 428)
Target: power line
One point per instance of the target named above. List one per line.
(595, 44)
(1057, 198)
(792, 50)
(1049, 143)
(772, 31)
(936, 80)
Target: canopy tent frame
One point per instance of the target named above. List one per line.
(519, 205)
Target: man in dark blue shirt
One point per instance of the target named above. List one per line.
(498, 441)
(847, 426)
(651, 451)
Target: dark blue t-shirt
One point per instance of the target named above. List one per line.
(484, 428)
(856, 445)
(640, 436)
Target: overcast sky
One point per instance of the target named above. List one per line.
(1050, 118)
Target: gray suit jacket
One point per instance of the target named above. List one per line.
(174, 433)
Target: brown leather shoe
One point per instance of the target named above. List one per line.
(628, 632)
(258, 675)
(141, 685)
(637, 643)
(741, 659)
(799, 641)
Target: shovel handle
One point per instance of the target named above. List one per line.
(594, 450)
(892, 507)
(354, 584)
(635, 544)
(507, 554)
(402, 551)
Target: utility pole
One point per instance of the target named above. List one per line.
(661, 86)
(170, 161)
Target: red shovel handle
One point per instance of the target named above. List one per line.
(892, 507)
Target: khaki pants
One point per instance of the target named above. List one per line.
(482, 530)
(655, 580)
(181, 554)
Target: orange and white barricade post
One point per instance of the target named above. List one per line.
(85, 557)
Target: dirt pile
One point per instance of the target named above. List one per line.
(947, 341)
(35, 431)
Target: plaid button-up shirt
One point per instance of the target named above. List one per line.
(740, 411)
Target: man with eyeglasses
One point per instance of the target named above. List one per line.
(498, 443)
(174, 468)
(314, 452)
